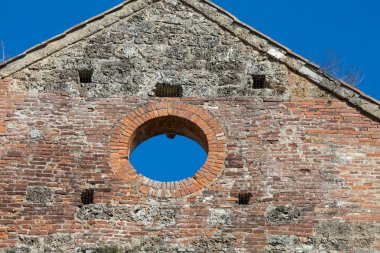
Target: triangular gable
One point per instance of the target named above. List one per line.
(219, 16)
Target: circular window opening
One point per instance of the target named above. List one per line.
(174, 120)
(168, 157)
(168, 148)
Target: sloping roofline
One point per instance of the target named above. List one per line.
(228, 21)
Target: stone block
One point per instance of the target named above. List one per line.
(282, 215)
(39, 194)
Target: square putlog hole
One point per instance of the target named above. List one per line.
(258, 82)
(87, 196)
(85, 76)
(167, 90)
(244, 198)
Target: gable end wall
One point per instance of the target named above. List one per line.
(309, 158)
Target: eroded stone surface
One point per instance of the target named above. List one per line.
(39, 194)
(213, 244)
(282, 215)
(344, 236)
(162, 244)
(282, 243)
(51, 244)
(35, 134)
(220, 217)
(146, 214)
(167, 43)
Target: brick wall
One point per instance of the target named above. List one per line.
(311, 165)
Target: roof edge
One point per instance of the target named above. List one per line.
(238, 21)
(294, 61)
(65, 33)
(246, 33)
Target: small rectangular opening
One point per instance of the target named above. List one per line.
(167, 90)
(85, 76)
(87, 196)
(244, 198)
(258, 82)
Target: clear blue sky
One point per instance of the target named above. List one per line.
(351, 28)
(169, 159)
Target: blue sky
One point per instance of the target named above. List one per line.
(180, 158)
(351, 28)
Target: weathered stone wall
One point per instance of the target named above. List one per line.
(165, 43)
(310, 161)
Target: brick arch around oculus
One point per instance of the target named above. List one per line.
(168, 117)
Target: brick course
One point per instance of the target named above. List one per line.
(317, 156)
